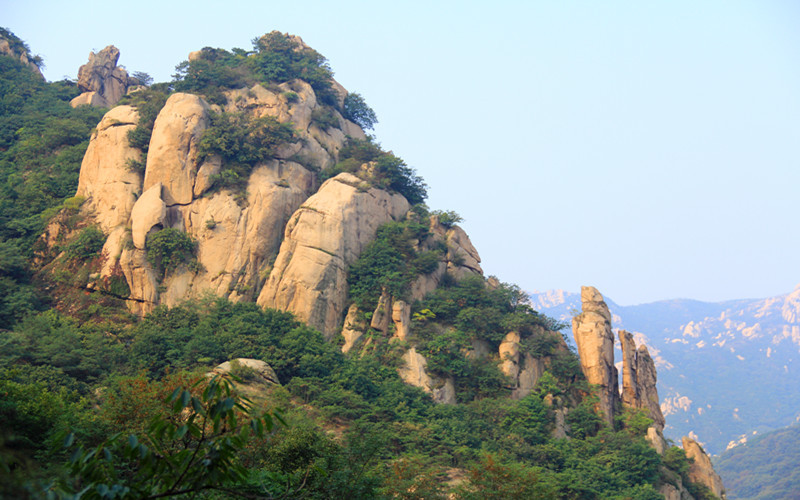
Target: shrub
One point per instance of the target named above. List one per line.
(280, 58)
(169, 248)
(357, 111)
(87, 244)
(324, 117)
(238, 138)
(148, 102)
(447, 218)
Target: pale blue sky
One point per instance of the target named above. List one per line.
(651, 149)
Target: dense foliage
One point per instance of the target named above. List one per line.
(764, 467)
(390, 263)
(396, 424)
(42, 142)
(275, 58)
(241, 142)
(99, 404)
(169, 248)
(384, 169)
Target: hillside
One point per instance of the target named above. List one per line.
(746, 352)
(242, 294)
(764, 467)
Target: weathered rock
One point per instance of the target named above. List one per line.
(324, 237)
(206, 172)
(595, 341)
(401, 317)
(382, 313)
(639, 379)
(463, 258)
(561, 428)
(412, 371)
(531, 370)
(105, 179)
(509, 355)
(701, 471)
(316, 147)
(656, 440)
(19, 52)
(265, 372)
(141, 279)
(172, 156)
(102, 77)
(445, 394)
(236, 245)
(353, 329)
(149, 210)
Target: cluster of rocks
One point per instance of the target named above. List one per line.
(595, 341)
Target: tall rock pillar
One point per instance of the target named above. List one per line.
(595, 340)
(639, 379)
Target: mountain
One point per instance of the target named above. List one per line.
(763, 467)
(247, 296)
(744, 353)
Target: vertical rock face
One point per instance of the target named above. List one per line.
(323, 238)
(701, 471)
(238, 233)
(595, 341)
(172, 157)
(103, 82)
(639, 379)
(108, 184)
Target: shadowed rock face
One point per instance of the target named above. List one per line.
(595, 342)
(701, 471)
(639, 379)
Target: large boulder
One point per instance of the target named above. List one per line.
(172, 156)
(323, 238)
(105, 179)
(595, 341)
(701, 471)
(102, 82)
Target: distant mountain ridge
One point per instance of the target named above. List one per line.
(726, 369)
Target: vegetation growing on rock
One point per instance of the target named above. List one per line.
(353, 426)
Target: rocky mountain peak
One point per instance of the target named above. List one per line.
(103, 82)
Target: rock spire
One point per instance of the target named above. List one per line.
(595, 340)
(102, 82)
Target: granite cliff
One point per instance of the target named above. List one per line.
(270, 192)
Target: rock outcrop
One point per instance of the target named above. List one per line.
(701, 471)
(325, 236)
(413, 373)
(12, 46)
(523, 369)
(101, 81)
(595, 341)
(172, 156)
(262, 370)
(639, 379)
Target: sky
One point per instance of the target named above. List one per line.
(649, 149)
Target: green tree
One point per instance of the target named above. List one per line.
(357, 111)
(193, 448)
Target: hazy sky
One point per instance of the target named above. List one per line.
(651, 149)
